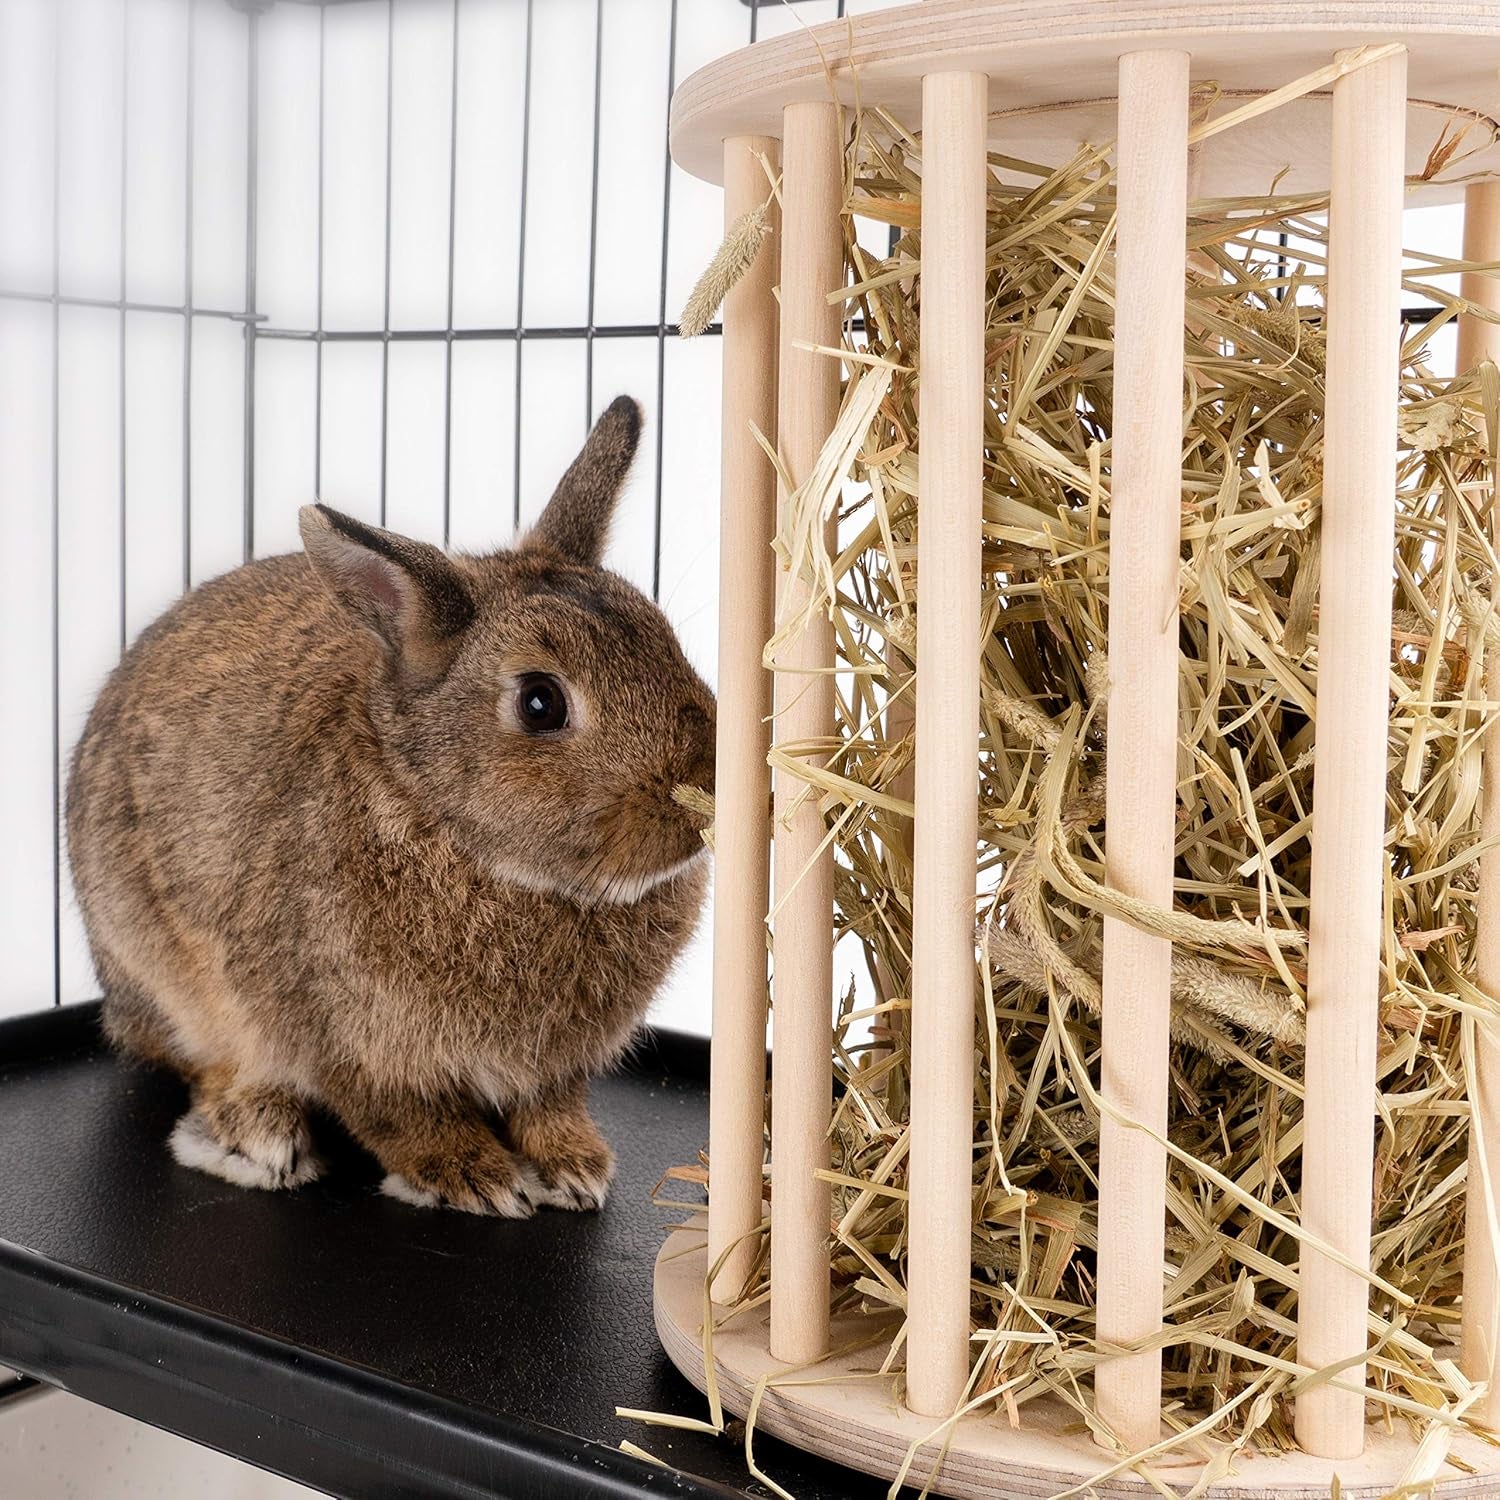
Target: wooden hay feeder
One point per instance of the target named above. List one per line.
(1034, 78)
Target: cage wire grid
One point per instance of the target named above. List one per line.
(735, 22)
(713, 26)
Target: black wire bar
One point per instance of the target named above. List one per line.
(56, 544)
(385, 352)
(252, 184)
(581, 331)
(126, 305)
(452, 226)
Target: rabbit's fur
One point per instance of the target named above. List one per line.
(321, 862)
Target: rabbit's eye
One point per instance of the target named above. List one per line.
(541, 704)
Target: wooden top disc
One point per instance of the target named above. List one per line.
(1052, 68)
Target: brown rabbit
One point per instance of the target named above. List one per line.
(392, 832)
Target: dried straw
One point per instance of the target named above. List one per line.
(732, 259)
(1251, 491)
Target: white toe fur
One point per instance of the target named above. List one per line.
(516, 1200)
(569, 1192)
(192, 1144)
(396, 1186)
(555, 1197)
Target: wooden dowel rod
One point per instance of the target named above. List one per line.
(1145, 542)
(742, 778)
(802, 943)
(1477, 341)
(900, 721)
(1349, 777)
(946, 832)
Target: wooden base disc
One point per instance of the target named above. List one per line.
(853, 1416)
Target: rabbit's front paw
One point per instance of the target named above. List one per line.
(486, 1182)
(580, 1183)
(572, 1161)
(251, 1135)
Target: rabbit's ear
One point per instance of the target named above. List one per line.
(575, 524)
(407, 592)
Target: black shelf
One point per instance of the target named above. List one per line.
(333, 1335)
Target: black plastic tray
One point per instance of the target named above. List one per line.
(333, 1335)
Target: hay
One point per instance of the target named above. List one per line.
(732, 259)
(1252, 467)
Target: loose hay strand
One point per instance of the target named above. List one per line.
(724, 272)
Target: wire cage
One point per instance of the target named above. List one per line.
(390, 253)
(1034, 81)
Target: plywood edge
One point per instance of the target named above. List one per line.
(1041, 53)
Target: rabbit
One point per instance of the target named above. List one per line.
(391, 833)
